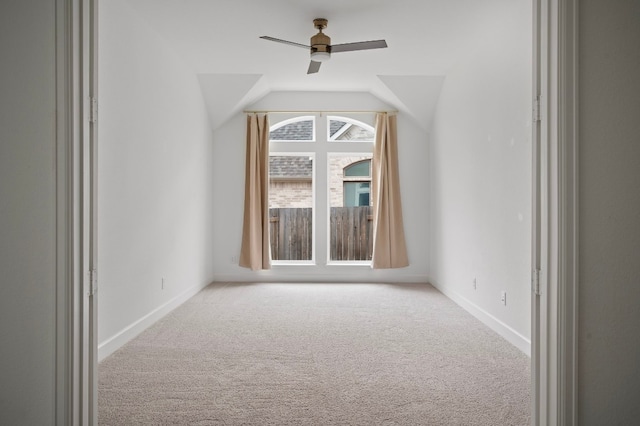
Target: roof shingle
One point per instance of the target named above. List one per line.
(288, 166)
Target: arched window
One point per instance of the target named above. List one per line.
(357, 184)
(316, 158)
(347, 129)
(300, 129)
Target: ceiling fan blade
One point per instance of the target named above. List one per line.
(314, 67)
(360, 45)
(292, 43)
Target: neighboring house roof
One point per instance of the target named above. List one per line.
(296, 131)
(334, 126)
(290, 167)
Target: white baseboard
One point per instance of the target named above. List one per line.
(511, 335)
(261, 277)
(118, 340)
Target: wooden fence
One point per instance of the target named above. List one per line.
(290, 232)
(351, 235)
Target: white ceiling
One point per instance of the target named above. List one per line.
(219, 40)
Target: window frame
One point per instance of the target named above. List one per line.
(292, 120)
(321, 149)
(351, 121)
(312, 155)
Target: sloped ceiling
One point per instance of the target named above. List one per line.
(416, 95)
(219, 40)
(227, 94)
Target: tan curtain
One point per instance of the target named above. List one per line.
(254, 253)
(389, 247)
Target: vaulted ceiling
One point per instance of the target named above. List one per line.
(219, 40)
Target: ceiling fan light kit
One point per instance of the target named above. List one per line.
(321, 48)
(320, 56)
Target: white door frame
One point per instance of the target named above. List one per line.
(76, 160)
(555, 203)
(555, 231)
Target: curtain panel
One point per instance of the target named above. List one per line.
(389, 246)
(254, 253)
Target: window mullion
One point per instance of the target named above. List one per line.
(322, 190)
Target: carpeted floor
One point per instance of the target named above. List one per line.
(316, 354)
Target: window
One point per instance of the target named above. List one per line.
(357, 184)
(319, 190)
(291, 191)
(291, 206)
(299, 129)
(346, 129)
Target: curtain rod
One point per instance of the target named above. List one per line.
(319, 111)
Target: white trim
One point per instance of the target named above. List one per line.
(365, 263)
(264, 276)
(91, 182)
(74, 400)
(512, 336)
(287, 263)
(321, 111)
(125, 335)
(538, 360)
(64, 391)
(568, 214)
(554, 312)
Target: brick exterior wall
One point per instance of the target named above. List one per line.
(298, 193)
(283, 194)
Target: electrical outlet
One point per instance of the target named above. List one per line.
(503, 298)
(162, 284)
(475, 283)
(235, 259)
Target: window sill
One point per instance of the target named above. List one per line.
(349, 263)
(304, 263)
(293, 263)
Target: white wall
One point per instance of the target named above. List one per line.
(480, 180)
(155, 180)
(609, 211)
(27, 212)
(229, 161)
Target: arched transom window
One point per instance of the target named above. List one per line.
(319, 189)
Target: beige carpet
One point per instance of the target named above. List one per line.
(316, 354)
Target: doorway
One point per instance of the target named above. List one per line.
(554, 279)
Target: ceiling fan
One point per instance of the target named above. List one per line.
(321, 47)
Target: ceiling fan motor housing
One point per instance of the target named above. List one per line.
(320, 43)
